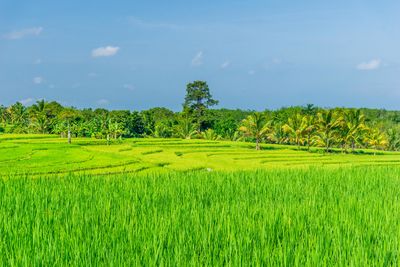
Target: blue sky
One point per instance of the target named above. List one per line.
(254, 54)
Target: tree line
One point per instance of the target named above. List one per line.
(303, 126)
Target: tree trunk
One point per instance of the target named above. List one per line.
(257, 144)
(108, 139)
(69, 134)
(69, 137)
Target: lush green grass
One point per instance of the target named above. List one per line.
(194, 202)
(38, 155)
(289, 217)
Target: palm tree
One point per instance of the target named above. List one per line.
(277, 134)
(3, 116)
(18, 117)
(376, 140)
(393, 138)
(3, 111)
(39, 116)
(296, 128)
(255, 126)
(343, 133)
(328, 122)
(354, 125)
(310, 129)
(309, 110)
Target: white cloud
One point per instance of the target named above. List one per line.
(102, 102)
(106, 51)
(370, 65)
(24, 33)
(26, 101)
(130, 87)
(198, 59)
(225, 64)
(38, 80)
(251, 72)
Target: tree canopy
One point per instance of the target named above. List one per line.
(304, 126)
(197, 100)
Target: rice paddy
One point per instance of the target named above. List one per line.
(146, 202)
(37, 155)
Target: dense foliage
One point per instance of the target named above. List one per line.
(301, 125)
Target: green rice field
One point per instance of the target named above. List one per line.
(36, 155)
(172, 202)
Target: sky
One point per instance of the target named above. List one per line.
(253, 54)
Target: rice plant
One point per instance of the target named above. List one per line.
(285, 217)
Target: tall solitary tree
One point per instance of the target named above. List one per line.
(198, 99)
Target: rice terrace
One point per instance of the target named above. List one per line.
(194, 201)
(47, 155)
(199, 133)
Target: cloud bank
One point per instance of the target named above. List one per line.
(106, 51)
(35, 31)
(370, 65)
